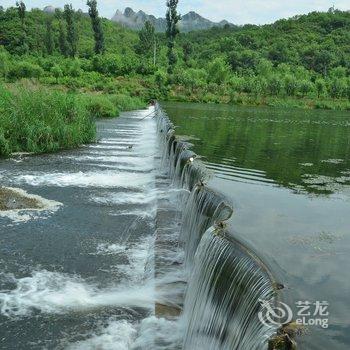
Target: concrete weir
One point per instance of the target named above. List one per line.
(217, 283)
(125, 243)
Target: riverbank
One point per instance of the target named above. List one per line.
(224, 96)
(36, 119)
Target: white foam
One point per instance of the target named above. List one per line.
(127, 198)
(108, 147)
(137, 254)
(89, 179)
(152, 334)
(110, 249)
(158, 334)
(111, 141)
(118, 335)
(54, 292)
(145, 197)
(140, 162)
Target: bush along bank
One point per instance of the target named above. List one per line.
(38, 121)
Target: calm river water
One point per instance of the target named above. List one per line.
(287, 173)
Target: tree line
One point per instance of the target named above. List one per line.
(304, 57)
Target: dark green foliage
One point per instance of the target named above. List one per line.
(49, 39)
(302, 61)
(21, 8)
(62, 40)
(145, 46)
(187, 50)
(22, 38)
(100, 106)
(96, 26)
(24, 69)
(72, 35)
(172, 19)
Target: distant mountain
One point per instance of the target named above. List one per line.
(190, 21)
(49, 9)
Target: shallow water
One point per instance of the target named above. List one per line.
(81, 276)
(288, 175)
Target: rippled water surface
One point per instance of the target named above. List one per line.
(288, 175)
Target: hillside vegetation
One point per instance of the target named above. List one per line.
(303, 61)
(299, 62)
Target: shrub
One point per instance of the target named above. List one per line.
(4, 62)
(320, 85)
(337, 88)
(290, 85)
(24, 70)
(274, 85)
(100, 106)
(306, 87)
(56, 71)
(218, 71)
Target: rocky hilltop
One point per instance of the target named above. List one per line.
(190, 21)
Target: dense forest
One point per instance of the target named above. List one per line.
(303, 58)
(302, 62)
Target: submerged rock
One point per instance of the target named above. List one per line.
(20, 206)
(11, 199)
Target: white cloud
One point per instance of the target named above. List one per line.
(239, 11)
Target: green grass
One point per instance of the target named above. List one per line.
(181, 94)
(37, 120)
(110, 105)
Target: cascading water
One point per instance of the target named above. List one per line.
(226, 280)
(204, 207)
(223, 295)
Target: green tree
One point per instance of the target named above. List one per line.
(62, 40)
(4, 62)
(72, 34)
(290, 85)
(323, 61)
(96, 26)
(320, 85)
(305, 87)
(187, 50)
(337, 88)
(218, 71)
(145, 46)
(274, 85)
(56, 72)
(172, 19)
(49, 38)
(21, 10)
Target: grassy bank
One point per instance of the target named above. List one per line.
(224, 96)
(38, 120)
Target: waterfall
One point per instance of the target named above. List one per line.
(226, 281)
(222, 299)
(204, 207)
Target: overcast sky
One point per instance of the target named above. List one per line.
(235, 11)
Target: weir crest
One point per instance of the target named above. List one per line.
(217, 296)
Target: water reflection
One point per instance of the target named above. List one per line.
(302, 150)
(262, 158)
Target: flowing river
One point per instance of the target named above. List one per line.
(138, 243)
